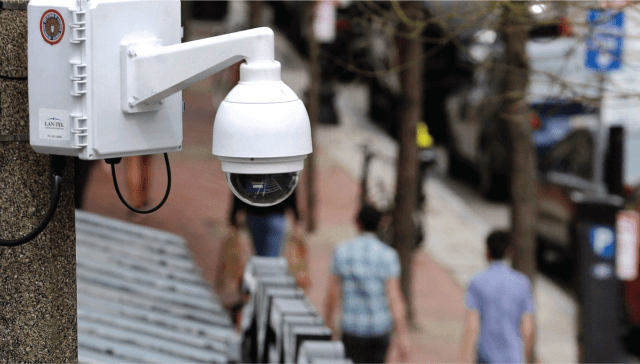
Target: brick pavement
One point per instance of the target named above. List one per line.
(199, 202)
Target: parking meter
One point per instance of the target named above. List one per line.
(599, 290)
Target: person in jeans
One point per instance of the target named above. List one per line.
(267, 225)
(365, 279)
(499, 324)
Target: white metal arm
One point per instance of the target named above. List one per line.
(151, 72)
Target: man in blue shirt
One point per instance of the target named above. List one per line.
(499, 324)
(365, 279)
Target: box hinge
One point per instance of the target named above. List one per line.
(78, 131)
(79, 78)
(78, 26)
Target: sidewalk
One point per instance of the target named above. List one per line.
(199, 203)
(197, 210)
(455, 236)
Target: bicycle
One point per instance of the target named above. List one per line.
(383, 202)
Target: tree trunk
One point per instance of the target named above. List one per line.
(185, 15)
(523, 176)
(255, 14)
(313, 104)
(404, 235)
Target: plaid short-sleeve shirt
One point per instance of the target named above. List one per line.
(364, 264)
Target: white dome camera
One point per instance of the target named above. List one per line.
(125, 94)
(262, 135)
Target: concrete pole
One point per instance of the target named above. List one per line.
(38, 279)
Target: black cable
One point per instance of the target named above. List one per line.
(115, 161)
(57, 163)
(14, 78)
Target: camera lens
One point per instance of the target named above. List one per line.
(263, 189)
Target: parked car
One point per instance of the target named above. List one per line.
(444, 70)
(575, 137)
(582, 148)
(569, 167)
(447, 64)
(560, 95)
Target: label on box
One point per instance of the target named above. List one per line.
(54, 124)
(52, 26)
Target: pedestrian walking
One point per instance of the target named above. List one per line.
(365, 280)
(267, 225)
(499, 324)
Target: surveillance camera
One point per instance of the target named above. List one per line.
(261, 131)
(261, 134)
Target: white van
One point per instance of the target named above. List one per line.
(563, 95)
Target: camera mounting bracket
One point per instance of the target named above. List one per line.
(151, 72)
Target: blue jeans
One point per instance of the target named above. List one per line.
(268, 233)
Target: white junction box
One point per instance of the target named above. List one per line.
(78, 100)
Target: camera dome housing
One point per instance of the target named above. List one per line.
(263, 189)
(261, 128)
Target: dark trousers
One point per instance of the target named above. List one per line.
(481, 360)
(366, 349)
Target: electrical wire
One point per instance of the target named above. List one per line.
(57, 163)
(115, 161)
(13, 78)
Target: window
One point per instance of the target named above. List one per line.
(572, 155)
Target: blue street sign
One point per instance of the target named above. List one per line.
(602, 240)
(604, 43)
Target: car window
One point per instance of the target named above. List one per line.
(557, 70)
(572, 155)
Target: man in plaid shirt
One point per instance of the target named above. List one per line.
(365, 278)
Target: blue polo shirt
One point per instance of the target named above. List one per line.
(364, 264)
(502, 296)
